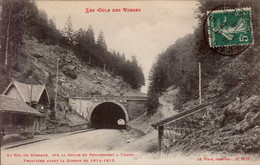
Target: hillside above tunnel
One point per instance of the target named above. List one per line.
(38, 63)
(33, 50)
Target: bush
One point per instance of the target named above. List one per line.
(152, 103)
(230, 80)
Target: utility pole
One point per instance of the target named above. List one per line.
(80, 112)
(160, 138)
(200, 82)
(31, 92)
(104, 67)
(56, 87)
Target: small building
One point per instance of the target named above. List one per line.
(17, 117)
(35, 96)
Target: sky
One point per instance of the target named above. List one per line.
(143, 34)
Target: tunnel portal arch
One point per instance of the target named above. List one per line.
(107, 115)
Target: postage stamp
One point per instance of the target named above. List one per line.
(230, 27)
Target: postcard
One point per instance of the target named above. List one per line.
(130, 82)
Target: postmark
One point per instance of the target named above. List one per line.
(230, 27)
(228, 30)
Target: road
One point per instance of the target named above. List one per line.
(167, 109)
(69, 150)
(96, 141)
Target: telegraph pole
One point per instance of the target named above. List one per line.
(56, 86)
(80, 112)
(31, 92)
(200, 82)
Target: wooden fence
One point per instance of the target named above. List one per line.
(180, 125)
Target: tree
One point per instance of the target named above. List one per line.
(43, 28)
(137, 74)
(53, 33)
(101, 41)
(23, 17)
(68, 32)
(90, 35)
(152, 101)
(52, 23)
(177, 67)
(12, 25)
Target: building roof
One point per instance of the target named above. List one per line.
(25, 91)
(12, 105)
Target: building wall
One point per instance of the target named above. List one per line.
(42, 123)
(17, 123)
(85, 107)
(135, 108)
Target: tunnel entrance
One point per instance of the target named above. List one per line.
(108, 115)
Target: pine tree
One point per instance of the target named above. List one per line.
(101, 41)
(52, 24)
(90, 35)
(69, 33)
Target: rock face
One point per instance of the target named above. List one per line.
(70, 71)
(75, 78)
(37, 55)
(70, 65)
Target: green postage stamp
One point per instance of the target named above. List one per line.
(230, 27)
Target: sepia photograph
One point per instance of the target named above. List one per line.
(130, 82)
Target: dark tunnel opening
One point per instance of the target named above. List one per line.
(108, 115)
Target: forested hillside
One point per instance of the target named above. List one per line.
(231, 83)
(178, 65)
(21, 18)
(32, 49)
